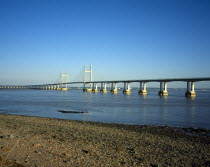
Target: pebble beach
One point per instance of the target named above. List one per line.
(41, 142)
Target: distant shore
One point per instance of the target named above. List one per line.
(35, 141)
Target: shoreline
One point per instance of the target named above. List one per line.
(187, 130)
(36, 141)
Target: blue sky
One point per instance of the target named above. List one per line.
(122, 39)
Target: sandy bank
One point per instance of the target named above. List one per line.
(33, 141)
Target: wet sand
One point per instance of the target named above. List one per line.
(43, 142)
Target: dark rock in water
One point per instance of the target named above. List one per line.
(63, 111)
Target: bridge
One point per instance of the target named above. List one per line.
(92, 86)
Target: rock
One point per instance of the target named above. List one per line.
(2, 137)
(122, 163)
(207, 163)
(10, 136)
(153, 165)
(74, 112)
(36, 145)
(138, 160)
(85, 151)
(130, 150)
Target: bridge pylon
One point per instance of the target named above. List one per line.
(86, 82)
(63, 81)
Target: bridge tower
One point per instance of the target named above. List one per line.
(84, 79)
(63, 80)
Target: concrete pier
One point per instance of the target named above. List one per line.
(143, 91)
(190, 90)
(58, 87)
(103, 87)
(64, 88)
(113, 88)
(163, 89)
(87, 89)
(95, 87)
(127, 89)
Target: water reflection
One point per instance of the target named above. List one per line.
(163, 97)
(164, 115)
(143, 96)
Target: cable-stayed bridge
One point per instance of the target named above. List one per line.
(92, 86)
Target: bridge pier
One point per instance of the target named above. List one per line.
(113, 88)
(190, 89)
(143, 91)
(64, 88)
(103, 87)
(87, 89)
(163, 89)
(95, 87)
(56, 87)
(127, 89)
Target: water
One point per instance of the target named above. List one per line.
(174, 110)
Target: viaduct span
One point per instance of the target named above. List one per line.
(92, 86)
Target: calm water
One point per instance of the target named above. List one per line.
(175, 110)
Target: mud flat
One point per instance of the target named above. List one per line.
(42, 142)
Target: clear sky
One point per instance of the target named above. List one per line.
(122, 39)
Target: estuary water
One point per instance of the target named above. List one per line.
(174, 110)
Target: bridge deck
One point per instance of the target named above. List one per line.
(155, 80)
(130, 81)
